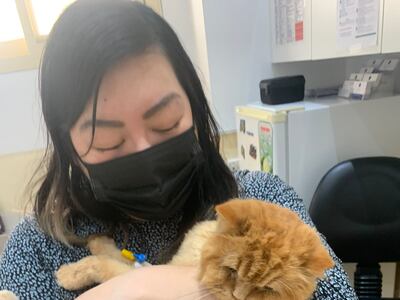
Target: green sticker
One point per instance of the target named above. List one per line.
(265, 138)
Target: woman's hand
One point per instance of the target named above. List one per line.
(152, 283)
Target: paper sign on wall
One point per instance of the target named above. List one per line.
(357, 24)
(289, 21)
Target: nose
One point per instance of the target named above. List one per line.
(138, 144)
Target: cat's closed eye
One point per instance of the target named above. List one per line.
(232, 273)
(265, 289)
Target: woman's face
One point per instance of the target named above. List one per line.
(140, 104)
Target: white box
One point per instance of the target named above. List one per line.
(356, 76)
(361, 90)
(367, 70)
(374, 63)
(389, 65)
(347, 89)
(259, 144)
(373, 78)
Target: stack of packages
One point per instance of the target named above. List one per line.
(376, 79)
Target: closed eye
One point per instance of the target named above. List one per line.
(100, 149)
(266, 289)
(167, 129)
(231, 271)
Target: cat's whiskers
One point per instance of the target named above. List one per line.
(288, 289)
(192, 293)
(209, 293)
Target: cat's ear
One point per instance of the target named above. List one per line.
(229, 212)
(320, 261)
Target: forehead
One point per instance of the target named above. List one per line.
(135, 83)
(134, 74)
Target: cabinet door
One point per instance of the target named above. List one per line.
(391, 27)
(326, 41)
(291, 30)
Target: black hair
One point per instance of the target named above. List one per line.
(89, 38)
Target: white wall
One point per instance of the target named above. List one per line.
(19, 112)
(187, 19)
(238, 46)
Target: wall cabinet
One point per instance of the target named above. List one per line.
(325, 32)
(321, 38)
(391, 27)
(299, 49)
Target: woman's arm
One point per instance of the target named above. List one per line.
(151, 283)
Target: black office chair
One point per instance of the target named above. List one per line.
(357, 207)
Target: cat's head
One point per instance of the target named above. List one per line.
(262, 251)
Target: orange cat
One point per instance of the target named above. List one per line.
(255, 250)
(262, 251)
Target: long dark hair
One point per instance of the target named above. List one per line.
(91, 37)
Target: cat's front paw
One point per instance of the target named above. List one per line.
(77, 275)
(7, 295)
(67, 278)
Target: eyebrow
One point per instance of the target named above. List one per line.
(164, 102)
(102, 124)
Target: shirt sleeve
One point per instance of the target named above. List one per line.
(264, 186)
(23, 267)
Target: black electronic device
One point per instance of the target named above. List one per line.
(282, 90)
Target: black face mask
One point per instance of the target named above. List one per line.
(153, 184)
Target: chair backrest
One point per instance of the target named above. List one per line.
(357, 207)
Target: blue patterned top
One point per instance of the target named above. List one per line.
(31, 257)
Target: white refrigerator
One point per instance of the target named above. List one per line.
(301, 141)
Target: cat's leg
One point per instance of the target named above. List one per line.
(7, 295)
(90, 270)
(104, 245)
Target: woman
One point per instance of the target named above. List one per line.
(133, 152)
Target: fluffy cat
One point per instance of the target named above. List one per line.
(262, 251)
(254, 250)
